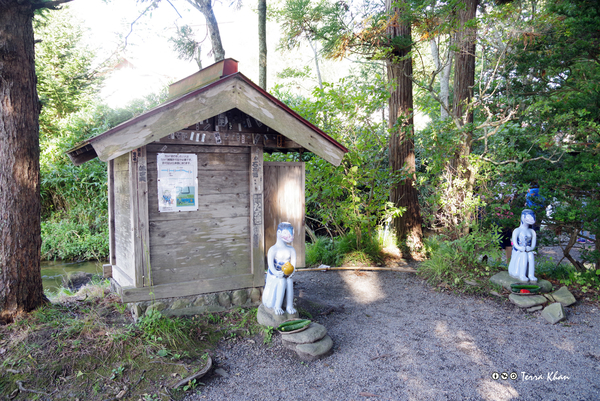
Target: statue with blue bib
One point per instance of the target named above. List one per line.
(281, 260)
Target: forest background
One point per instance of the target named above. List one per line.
(529, 115)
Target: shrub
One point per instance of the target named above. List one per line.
(472, 256)
(343, 250)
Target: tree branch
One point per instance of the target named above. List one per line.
(152, 4)
(521, 161)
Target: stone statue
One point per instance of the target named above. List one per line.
(522, 263)
(278, 283)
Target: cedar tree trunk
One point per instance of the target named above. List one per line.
(402, 155)
(464, 81)
(20, 239)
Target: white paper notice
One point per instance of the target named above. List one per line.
(177, 182)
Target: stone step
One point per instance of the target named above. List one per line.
(523, 301)
(312, 334)
(554, 313)
(564, 296)
(316, 350)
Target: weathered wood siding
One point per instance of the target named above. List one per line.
(123, 268)
(213, 242)
(284, 201)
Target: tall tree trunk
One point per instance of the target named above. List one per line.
(313, 46)
(205, 7)
(443, 66)
(464, 81)
(262, 44)
(402, 155)
(20, 239)
(464, 69)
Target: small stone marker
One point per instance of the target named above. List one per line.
(554, 313)
(527, 301)
(564, 296)
(535, 308)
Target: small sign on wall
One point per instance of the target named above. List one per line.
(177, 182)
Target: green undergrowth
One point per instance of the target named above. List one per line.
(586, 281)
(73, 239)
(344, 251)
(464, 264)
(87, 347)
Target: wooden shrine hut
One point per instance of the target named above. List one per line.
(192, 205)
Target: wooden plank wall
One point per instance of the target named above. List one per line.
(213, 242)
(123, 268)
(284, 201)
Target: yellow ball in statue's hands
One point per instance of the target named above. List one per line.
(287, 268)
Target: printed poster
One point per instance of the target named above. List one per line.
(177, 182)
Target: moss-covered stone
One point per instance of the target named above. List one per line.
(200, 301)
(180, 304)
(255, 295)
(239, 297)
(212, 299)
(224, 299)
(156, 306)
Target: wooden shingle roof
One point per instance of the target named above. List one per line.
(234, 91)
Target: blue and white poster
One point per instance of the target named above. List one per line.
(177, 182)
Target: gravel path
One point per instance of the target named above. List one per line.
(397, 339)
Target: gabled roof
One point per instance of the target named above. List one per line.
(229, 92)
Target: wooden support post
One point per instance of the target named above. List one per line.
(111, 213)
(257, 216)
(138, 174)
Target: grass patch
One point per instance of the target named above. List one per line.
(344, 250)
(464, 264)
(87, 347)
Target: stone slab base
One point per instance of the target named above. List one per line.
(267, 316)
(199, 304)
(505, 280)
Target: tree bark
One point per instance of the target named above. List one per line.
(464, 81)
(401, 145)
(262, 44)
(443, 66)
(205, 7)
(20, 238)
(464, 68)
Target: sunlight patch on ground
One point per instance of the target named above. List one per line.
(418, 389)
(565, 345)
(365, 289)
(496, 391)
(462, 342)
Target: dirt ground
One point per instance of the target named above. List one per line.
(397, 338)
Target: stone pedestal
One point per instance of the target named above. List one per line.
(267, 317)
(310, 344)
(505, 280)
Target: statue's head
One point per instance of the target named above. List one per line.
(528, 217)
(285, 231)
